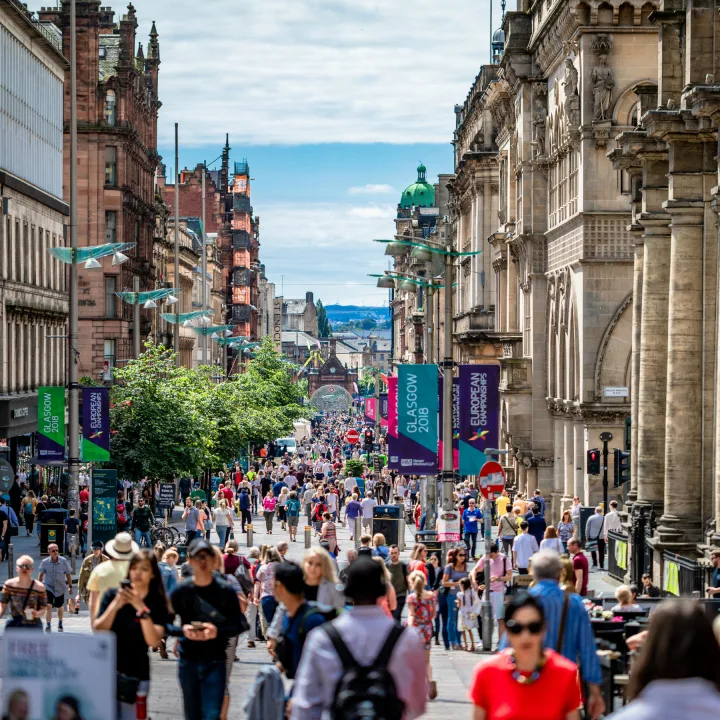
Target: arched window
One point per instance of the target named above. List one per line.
(110, 108)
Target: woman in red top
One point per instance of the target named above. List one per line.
(526, 681)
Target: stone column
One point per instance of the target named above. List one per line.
(638, 249)
(522, 479)
(512, 294)
(652, 362)
(683, 416)
(568, 461)
(559, 496)
(579, 462)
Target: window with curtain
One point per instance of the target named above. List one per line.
(110, 166)
(110, 108)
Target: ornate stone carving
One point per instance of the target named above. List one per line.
(572, 98)
(603, 82)
(539, 94)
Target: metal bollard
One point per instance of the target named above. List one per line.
(11, 560)
(73, 560)
(401, 534)
(357, 530)
(249, 534)
(308, 536)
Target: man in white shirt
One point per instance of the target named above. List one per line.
(367, 510)
(364, 630)
(350, 483)
(524, 547)
(291, 481)
(612, 520)
(328, 469)
(331, 500)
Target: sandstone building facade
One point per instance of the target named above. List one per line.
(117, 100)
(536, 192)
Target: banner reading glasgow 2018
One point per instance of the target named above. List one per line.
(479, 415)
(51, 423)
(96, 424)
(415, 449)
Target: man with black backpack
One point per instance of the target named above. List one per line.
(300, 617)
(362, 664)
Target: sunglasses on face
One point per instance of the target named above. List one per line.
(515, 628)
(25, 567)
(54, 552)
(461, 555)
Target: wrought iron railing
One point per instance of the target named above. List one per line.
(42, 28)
(618, 555)
(683, 576)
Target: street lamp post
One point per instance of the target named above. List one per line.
(176, 334)
(204, 266)
(447, 473)
(73, 360)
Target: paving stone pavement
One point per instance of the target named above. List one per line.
(452, 670)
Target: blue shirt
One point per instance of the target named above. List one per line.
(277, 488)
(579, 641)
(296, 628)
(537, 527)
(540, 502)
(470, 520)
(244, 501)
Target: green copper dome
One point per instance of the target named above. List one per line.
(421, 193)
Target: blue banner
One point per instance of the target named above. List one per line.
(417, 406)
(479, 415)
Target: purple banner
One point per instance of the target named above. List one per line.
(479, 415)
(370, 411)
(414, 450)
(96, 424)
(383, 409)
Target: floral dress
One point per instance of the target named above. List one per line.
(424, 614)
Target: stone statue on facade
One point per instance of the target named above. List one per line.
(603, 82)
(539, 120)
(572, 99)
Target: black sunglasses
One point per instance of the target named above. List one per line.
(515, 628)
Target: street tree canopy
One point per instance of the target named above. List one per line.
(168, 421)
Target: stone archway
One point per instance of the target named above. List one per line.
(331, 398)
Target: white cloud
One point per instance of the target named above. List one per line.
(373, 212)
(307, 71)
(326, 248)
(371, 189)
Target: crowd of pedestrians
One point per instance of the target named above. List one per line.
(352, 634)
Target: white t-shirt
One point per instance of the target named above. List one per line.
(290, 481)
(525, 546)
(331, 500)
(350, 483)
(328, 468)
(367, 507)
(400, 490)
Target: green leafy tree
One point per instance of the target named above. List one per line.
(368, 323)
(324, 327)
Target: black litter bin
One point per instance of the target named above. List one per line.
(585, 514)
(429, 538)
(52, 530)
(386, 520)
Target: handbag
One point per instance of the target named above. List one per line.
(127, 688)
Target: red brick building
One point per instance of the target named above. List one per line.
(229, 213)
(117, 102)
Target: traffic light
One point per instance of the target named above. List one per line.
(593, 462)
(369, 438)
(622, 467)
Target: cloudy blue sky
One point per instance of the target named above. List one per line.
(333, 102)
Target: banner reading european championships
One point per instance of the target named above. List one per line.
(479, 415)
(51, 423)
(414, 451)
(370, 411)
(96, 424)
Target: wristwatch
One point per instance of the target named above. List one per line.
(144, 613)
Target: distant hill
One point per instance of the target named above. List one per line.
(339, 314)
